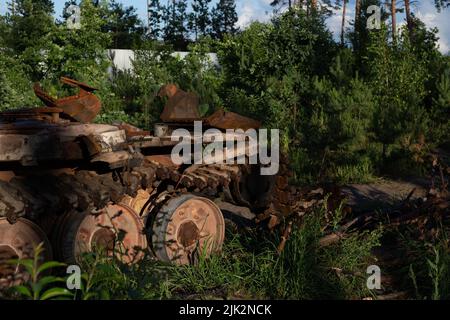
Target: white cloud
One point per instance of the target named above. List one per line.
(256, 10)
(427, 13)
(260, 10)
(335, 21)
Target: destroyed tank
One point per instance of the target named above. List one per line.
(74, 186)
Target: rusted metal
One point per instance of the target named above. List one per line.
(185, 227)
(29, 142)
(181, 106)
(229, 120)
(115, 230)
(83, 107)
(284, 238)
(50, 115)
(18, 241)
(138, 203)
(132, 131)
(113, 177)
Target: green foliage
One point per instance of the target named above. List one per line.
(125, 26)
(155, 19)
(337, 125)
(122, 23)
(40, 286)
(224, 18)
(80, 53)
(304, 270)
(156, 65)
(345, 114)
(428, 264)
(441, 109)
(15, 87)
(175, 24)
(29, 35)
(248, 267)
(200, 18)
(401, 122)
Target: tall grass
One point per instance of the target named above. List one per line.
(249, 266)
(428, 264)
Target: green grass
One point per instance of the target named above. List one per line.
(427, 263)
(249, 266)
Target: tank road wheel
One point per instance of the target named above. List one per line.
(116, 229)
(139, 202)
(187, 226)
(17, 241)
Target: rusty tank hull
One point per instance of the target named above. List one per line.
(80, 187)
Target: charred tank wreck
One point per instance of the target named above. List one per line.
(74, 185)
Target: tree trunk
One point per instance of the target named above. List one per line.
(408, 16)
(357, 13)
(344, 9)
(394, 19)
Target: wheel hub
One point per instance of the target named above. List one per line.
(104, 240)
(18, 241)
(188, 234)
(185, 225)
(116, 229)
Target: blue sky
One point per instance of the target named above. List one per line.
(250, 10)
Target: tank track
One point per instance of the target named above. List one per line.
(38, 196)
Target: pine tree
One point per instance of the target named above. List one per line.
(281, 3)
(175, 28)
(357, 14)
(200, 18)
(408, 16)
(441, 4)
(124, 25)
(154, 19)
(394, 19)
(224, 18)
(441, 108)
(344, 11)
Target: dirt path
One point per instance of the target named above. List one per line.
(383, 194)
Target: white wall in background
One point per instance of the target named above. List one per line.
(122, 59)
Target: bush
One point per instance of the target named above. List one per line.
(16, 89)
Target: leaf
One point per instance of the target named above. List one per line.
(55, 292)
(25, 291)
(88, 296)
(28, 264)
(49, 265)
(49, 279)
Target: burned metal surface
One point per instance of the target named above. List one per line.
(95, 185)
(185, 227)
(28, 139)
(181, 106)
(229, 120)
(83, 107)
(18, 241)
(42, 114)
(114, 230)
